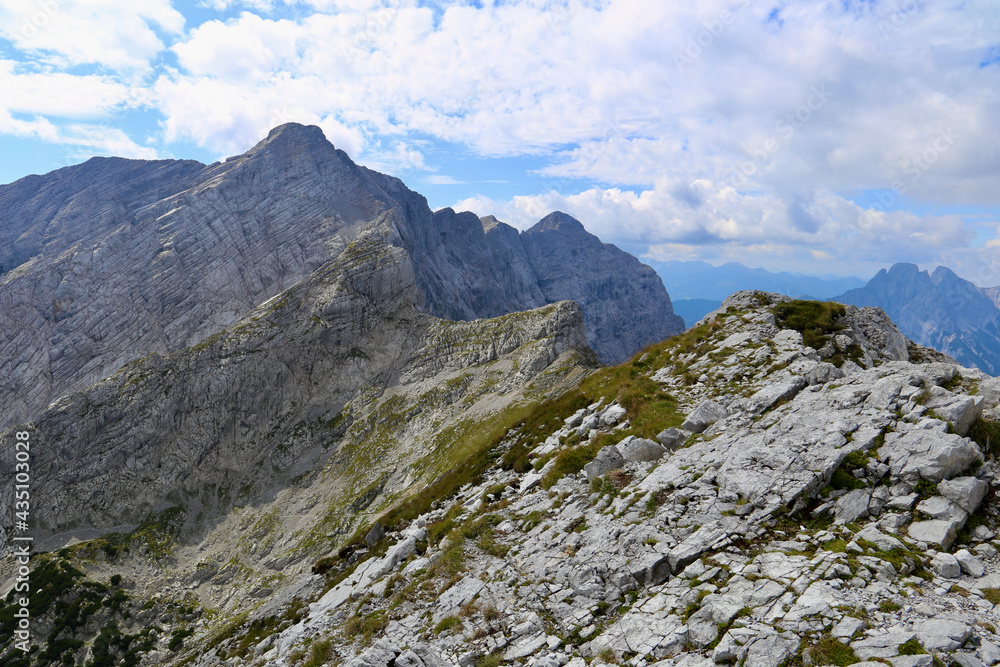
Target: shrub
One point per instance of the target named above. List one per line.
(815, 320)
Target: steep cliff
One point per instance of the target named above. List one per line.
(112, 260)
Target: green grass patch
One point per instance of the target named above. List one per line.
(911, 647)
(453, 623)
(815, 320)
(568, 462)
(986, 434)
(319, 654)
(828, 650)
(991, 594)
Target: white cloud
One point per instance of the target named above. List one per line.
(440, 179)
(88, 140)
(119, 34)
(707, 125)
(755, 229)
(61, 95)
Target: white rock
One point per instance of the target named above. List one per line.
(942, 533)
(942, 634)
(971, 565)
(946, 565)
(612, 415)
(847, 627)
(880, 646)
(924, 660)
(966, 492)
(939, 507)
(928, 454)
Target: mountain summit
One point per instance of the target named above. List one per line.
(109, 261)
(939, 310)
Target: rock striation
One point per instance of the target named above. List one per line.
(235, 418)
(112, 260)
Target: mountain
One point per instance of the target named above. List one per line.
(109, 261)
(788, 483)
(692, 310)
(295, 385)
(939, 310)
(700, 280)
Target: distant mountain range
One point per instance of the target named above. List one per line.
(697, 288)
(939, 310)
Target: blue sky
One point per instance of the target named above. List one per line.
(822, 137)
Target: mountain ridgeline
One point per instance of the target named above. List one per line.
(109, 261)
(939, 310)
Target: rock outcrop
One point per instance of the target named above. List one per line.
(786, 525)
(112, 260)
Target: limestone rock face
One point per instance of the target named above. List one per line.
(109, 261)
(277, 391)
(572, 264)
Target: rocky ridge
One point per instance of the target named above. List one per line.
(787, 483)
(224, 470)
(276, 395)
(800, 506)
(109, 261)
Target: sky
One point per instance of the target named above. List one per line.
(802, 135)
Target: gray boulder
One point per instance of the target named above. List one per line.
(945, 565)
(703, 416)
(374, 535)
(960, 411)
(640, 449)
(672, 438)
(608, 459)
(942, 533)
(940, 634)
(966, 492)
(929, 454)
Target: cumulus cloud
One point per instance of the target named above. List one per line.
(723, 126)
(753, 228)
(114, 33)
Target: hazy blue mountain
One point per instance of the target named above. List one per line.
(693, 310)
(939, 310)
(701, 280)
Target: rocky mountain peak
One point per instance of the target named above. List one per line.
(938, 309)
(559, 222)
(196, 247)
